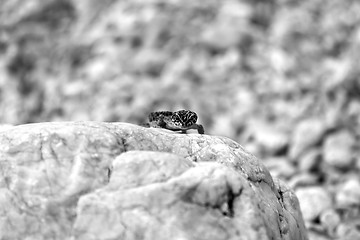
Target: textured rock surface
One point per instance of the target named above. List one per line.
(90, 180)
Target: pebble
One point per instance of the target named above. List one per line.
(310, 160)
(349, 193)
(150, 61)
(330, 219)
(306, 134)
(210, 37)
(280, 167)
(271, 140)
(313, 201)
(223, 125)
(303, 179)
(317, 236)
(347, 232)
(338, 149)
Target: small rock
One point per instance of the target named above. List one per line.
(349, 193)
(271, 140)
(280, 167)
(310, 160)
(346, 231)
(357, 161)
(317, 236)
(252, 148)
(338, 149)
(306, 134)
(229, 37)
(150, 61)
(303, 180)
(330, 219)
(313, 201)
(223, 126)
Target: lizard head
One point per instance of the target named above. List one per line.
(184, 118)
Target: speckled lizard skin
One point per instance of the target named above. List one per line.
(181, 120)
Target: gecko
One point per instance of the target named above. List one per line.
(181, 120)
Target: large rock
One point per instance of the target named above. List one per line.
(90, 180)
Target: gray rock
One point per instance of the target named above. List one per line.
(88, 180)
(303, 179)
(280, 167)
(348, 193)
(271, 140)
(357, 161)
(313, 201)
(330, 219)
(347, 232)
(310, 160)
(338, 149)
(317, 236)
(306, 134)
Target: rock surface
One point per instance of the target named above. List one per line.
(89, 180)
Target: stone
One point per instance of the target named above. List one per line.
(357, 162)
(348, 193)
(330, 219)
(303, 180)
(271, 140)
(310, 161)
(149, 61)
(317, 236)
(347, 232)
(307, 133)
(313, 200)
(280, 167)
(338, 149)
(230, 36)
(93, 180)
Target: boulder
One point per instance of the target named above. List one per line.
(92, 180)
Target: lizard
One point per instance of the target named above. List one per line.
(181, 120)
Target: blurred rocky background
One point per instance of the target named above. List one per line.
(281, 77)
